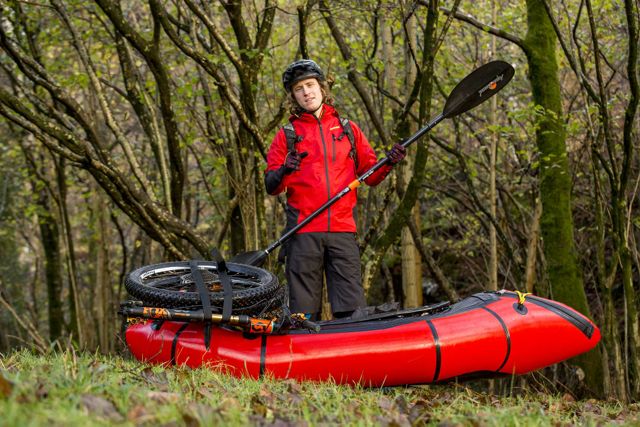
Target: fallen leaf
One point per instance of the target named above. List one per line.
(402, 404)
(163, 396)
(159, 379)
(139, 415)
(99, 368)
(206, 393)
(328, 419)
(294, 386)
(556, 407)
(6, 387)
(42, 391)
(279, 422)
(100, 407)
(190, 420)
(228, 404)
(199, 414)
(257, 420)
(266, 394)
(419, 413)
(385, 403)
(258, 407)
(399, 420)
(294, 399)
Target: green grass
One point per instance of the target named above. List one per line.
(70, 389)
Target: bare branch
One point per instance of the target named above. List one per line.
(352, 75)
(432, 265)
(465, 17)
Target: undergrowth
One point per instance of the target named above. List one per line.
(76, 389)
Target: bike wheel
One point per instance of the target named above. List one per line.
(170, 285)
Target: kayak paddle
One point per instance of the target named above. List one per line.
(473, 90)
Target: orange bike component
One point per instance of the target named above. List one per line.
(260, 326)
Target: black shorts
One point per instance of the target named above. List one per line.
(309, 256)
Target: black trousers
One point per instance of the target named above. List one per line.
(309, 257)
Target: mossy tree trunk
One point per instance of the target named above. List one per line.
(556, 222)
(629, 136)
(50, 239)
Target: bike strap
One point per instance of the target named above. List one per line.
(223, 275)
(203, 292)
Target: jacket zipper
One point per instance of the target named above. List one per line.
(326, 171)
(333, 148)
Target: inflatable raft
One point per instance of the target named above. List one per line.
(485, 334)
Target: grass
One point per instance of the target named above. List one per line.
(71, 389)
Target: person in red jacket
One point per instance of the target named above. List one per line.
(325, 155)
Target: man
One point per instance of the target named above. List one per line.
(312, 159)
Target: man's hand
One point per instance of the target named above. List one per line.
(292, 162)
(397, 153)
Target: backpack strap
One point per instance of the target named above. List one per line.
(292, 137)
(348, 130)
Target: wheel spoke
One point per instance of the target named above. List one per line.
(169, 283)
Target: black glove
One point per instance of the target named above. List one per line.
(397, 153)
(292, 161)
(273, 178)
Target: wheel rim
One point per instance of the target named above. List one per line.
(179, 279)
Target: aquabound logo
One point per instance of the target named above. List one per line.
(491, 85)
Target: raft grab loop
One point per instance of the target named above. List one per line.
(522, 296)
(519, 306)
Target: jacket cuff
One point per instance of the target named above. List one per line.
(273, 180)
(378, 176)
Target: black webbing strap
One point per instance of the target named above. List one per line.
(291, 137)
(223, 275)
(203, 292)
(348, 131)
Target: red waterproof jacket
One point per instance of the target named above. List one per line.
(325, 171)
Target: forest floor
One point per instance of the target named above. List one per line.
(79, 389)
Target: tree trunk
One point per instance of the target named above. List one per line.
(556, 223)
(52, 263)
(103, 291)
(410, 196)
(411, 263)
(631, 299)
(493, 199)
(75, 307)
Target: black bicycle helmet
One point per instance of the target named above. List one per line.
(300, 70)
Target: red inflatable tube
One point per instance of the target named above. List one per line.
(487, 333)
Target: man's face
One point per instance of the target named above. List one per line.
(308, 94)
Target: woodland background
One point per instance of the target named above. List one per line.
(135, 132)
